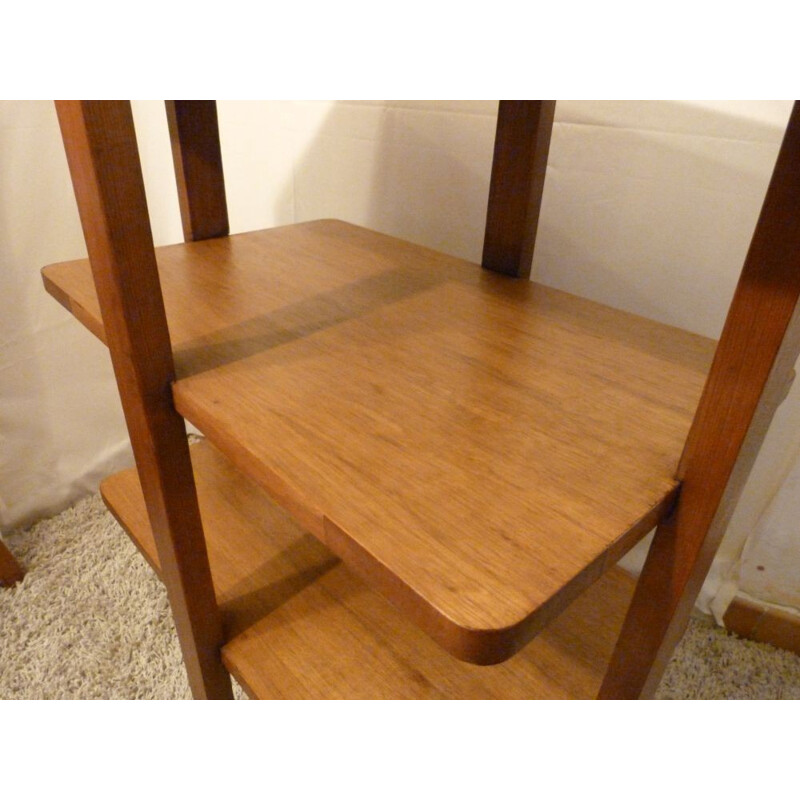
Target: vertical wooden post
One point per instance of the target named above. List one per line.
(197, 156)
(521, 147)
(751, 373)
(100, 142)
(10, 570)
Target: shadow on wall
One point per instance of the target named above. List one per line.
(23, 412)
(648, 206)
(415, 170)
(53, 378)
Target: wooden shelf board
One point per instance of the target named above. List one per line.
(480, 449)
(300, 625)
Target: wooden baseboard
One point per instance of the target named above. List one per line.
(762, 623)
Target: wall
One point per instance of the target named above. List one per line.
(647, 207)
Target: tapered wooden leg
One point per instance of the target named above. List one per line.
(521, 147)
(752, 370)
(197, 157)
(10, 570)
(100, 142)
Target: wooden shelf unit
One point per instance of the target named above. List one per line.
(477, 450)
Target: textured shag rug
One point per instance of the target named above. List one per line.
(91, 621)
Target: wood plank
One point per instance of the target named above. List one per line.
(100, 143)
(10, 570)
(521, 148)
(764, 623)
(300, 625)
(480, 449)
(197, 157)
(752, 371)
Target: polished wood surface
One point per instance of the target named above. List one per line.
(10, 570)
(101, 151)
(521, 147)
(300, 625)
(197, 157)
(751, 374)
(479, 449)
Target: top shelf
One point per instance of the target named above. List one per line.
(478, 448)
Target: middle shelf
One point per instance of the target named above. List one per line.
(479, 449)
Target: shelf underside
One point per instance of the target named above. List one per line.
(300, 625)
(479, 449)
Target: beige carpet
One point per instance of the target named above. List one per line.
(91, 621)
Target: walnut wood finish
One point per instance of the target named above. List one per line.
(300, 625)
(751, 373)
(522, 144)
(10, 570)
(101, 150)
(196, 154)
(759, 622)
(478, 448)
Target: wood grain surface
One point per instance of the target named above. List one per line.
(478, 448)
(100, 144)
(300, 625)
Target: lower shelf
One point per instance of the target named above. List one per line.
(299, 625)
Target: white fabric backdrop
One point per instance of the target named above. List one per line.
(647, 207)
